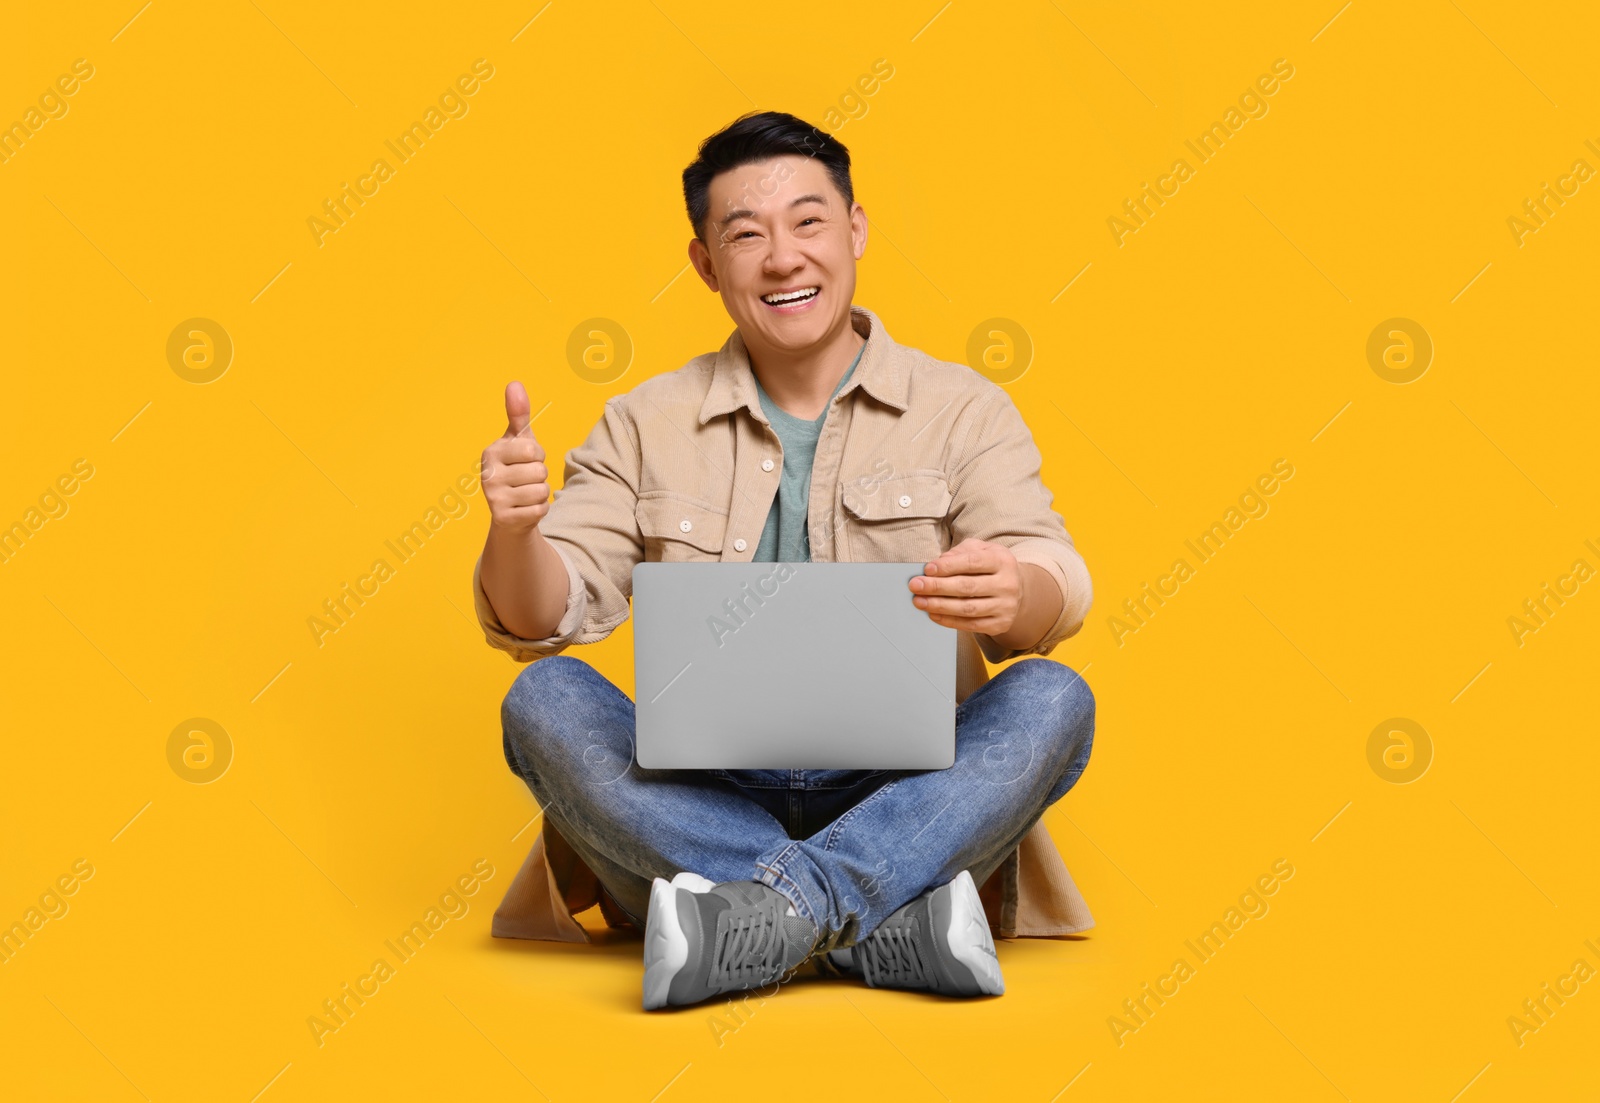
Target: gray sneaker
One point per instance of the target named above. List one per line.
(939, 942)
(702, 939)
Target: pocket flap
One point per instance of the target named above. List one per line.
(912, 495)
(666, 518)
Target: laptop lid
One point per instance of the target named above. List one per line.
(814, 666)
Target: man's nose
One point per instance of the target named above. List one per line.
(784, 255)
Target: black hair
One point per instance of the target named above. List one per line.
(753, 137)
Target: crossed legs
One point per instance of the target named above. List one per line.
(1022, 740)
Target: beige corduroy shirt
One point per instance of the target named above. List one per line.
(916, 454)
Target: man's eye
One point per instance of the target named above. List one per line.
(810, 220)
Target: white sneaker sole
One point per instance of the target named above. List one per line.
(666, 947)
(968, 937)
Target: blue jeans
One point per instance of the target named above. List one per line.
(847, 847)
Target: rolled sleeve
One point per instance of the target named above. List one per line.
(1071, 575)
(525, 650)
(998, 495)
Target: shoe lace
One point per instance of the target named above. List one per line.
(749, 949)
(892, 956)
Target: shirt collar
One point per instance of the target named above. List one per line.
(881, 371)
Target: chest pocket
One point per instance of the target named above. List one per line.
(679, 530)
(900, 519)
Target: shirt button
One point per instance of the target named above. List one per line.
(766, 465)
(738, 545)
(684, 525)
(905, 500)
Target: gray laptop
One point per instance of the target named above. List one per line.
(786, 666)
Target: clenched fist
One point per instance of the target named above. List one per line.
(513, 474)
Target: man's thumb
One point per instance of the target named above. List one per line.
(517, 408)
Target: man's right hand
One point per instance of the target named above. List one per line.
(513, 475)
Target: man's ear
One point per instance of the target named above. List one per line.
(858, 230)
(700, 257)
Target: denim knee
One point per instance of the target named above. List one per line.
(1068, 708)
(532, 699)
(1071, 732)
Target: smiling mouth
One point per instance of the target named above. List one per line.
(791, 298)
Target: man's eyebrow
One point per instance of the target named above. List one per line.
(742, 212)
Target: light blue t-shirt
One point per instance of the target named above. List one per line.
(785, 538)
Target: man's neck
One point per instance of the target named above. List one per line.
(802, 382)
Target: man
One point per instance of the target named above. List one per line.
(810, 435)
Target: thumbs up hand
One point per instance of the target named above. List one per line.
(513, 474)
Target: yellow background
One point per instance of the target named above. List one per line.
(1227, 333)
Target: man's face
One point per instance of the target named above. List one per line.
(780, 226)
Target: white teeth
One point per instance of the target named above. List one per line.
(789, 296)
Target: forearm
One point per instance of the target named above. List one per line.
(525, 580)
(1038, 609)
